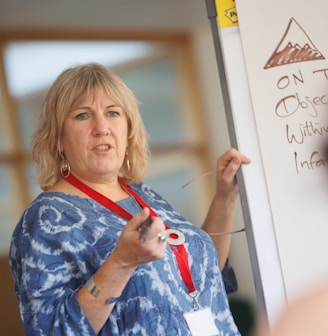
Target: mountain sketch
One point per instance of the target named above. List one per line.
(294, 46)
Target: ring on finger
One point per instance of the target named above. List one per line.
(162, 238)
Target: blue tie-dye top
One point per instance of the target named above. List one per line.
(61, 240)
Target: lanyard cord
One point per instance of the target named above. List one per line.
(179, 252)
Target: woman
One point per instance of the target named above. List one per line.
(83, 259)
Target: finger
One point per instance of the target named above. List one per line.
(232, 158)
(245, 159)
(237, 161)
(231, 169)
(139, 219)
(224, 160)
(162, 237)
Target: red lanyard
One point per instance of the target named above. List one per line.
(180, 253)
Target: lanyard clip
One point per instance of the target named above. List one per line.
(195, 302)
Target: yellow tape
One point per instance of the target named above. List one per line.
(227, 13)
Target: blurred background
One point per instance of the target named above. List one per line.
(164, 52)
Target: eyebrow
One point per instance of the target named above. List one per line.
(89, 108)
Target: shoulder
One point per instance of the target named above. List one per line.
(51, 213)
(53, 224)
(56, 201)
(51, 206)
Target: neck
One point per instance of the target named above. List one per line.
(112, 189)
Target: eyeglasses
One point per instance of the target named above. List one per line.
(203, 175)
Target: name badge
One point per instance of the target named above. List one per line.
(201, 323)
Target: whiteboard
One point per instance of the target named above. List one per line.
(274, 66)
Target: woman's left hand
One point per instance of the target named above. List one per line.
(227, 166)
(220, 215)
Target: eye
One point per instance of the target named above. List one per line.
(114, 113)
(81, 116)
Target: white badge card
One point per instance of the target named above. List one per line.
(201, 323)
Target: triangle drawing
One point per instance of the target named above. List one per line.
(294, 46)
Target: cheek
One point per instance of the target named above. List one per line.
(124, 137)
(73, 141)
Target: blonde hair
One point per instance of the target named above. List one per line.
(65, 94)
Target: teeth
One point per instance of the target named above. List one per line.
(102, 147)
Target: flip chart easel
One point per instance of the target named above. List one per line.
(253, 194)
(274, 81)
(272, 62)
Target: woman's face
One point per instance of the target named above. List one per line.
(94, 138)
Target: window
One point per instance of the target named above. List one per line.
(155, 71)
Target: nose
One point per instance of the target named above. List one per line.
(101, 128)
(102, 132)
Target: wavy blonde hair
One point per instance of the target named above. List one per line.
(65, 94)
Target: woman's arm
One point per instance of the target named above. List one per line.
(113, 275)
(46, 259)
(221, 213)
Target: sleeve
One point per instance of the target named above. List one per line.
(47, 274)
(229, 278)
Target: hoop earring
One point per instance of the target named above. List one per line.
(65, 168)
(127, 160)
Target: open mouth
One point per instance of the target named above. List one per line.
(103, 147)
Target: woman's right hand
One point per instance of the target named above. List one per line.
(130, 251)
(112, 277)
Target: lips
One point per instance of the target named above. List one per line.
(103, 147)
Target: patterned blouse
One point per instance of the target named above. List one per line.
(60, 242)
